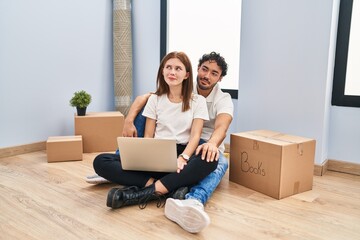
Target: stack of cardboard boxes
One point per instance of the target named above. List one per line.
(94, 132)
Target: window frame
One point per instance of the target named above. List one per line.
(341, 55)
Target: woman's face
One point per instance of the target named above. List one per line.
(174, 72)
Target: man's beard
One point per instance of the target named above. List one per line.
(202, 87)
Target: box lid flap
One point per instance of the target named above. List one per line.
(273, 137)
(64, 138)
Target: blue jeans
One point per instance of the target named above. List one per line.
(205, 188)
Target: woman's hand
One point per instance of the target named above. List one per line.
(181, 162)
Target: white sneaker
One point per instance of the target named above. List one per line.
(96, 179)
(189, 214)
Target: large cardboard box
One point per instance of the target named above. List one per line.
(64, 148)
(273, 163)
(99, 130)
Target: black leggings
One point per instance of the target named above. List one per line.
(109, 166)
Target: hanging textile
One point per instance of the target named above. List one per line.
(122, 45)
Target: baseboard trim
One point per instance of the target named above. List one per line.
(22, 149)
(344, 167)
(320, 170)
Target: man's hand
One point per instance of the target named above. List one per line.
(129, 129)
(209, 150)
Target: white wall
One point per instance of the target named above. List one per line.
(48, 50)
(284, 68)
(344, 138)
(146, 45)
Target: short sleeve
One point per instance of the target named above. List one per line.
(150, 107)
(200, 109)
(225, 105)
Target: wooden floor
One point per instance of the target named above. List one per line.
(40, 200)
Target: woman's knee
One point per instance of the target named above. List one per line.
(102, 159)
(210, 166)
(97, 161)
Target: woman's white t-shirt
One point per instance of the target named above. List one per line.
(171, 122)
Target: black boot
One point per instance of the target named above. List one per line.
(179, 193)
(120, 197)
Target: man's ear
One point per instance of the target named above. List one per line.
(220, 79)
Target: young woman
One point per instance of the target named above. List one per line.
(174, 111)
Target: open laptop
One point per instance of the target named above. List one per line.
(148, 154)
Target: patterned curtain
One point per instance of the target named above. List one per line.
(122, 42)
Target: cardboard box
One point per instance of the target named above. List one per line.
(272, 163)
(64, 148)
(99, 130)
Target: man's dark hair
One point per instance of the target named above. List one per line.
(213, 56)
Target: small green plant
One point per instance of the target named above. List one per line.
(81, 99)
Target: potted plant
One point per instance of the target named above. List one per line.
(80, 100)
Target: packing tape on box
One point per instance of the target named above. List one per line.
(255, 145)
(300, 148)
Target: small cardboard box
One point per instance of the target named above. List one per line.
(99, 130)
(275, 164)
(64, 148)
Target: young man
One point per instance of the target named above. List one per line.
(189, 213)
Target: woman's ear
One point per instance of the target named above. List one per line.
(187, 75)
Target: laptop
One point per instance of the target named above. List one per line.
(148, 154)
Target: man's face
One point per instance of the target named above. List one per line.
(209, 73)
